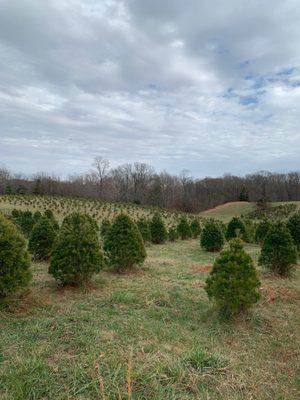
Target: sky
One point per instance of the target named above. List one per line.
(209, 86)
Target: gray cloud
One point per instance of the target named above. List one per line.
(210, 86)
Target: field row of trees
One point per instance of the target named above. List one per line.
(141, 184)
(76, 253)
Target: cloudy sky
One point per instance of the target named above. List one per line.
(211, 86)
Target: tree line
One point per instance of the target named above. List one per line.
(139, 183)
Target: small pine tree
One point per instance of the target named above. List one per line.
(37, 189)
(49, 214)
(144, 228)
(93, 223)
(235, 228)
(8, 190)
(293, 225)
(36, 216)
(212, 238)
(262, 230)
(123, 244)
(15, 215)
(250, 230)
(41, 239)
(25, 222)
(244, 195)
(159, 233)
(105, 227)
(183, 229)
(278, 253)
(172, 234)
(195, 228)
(233, 282)
(14, 259)
(76, 254)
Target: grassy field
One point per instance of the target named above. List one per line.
(226, 211)
(150, 334)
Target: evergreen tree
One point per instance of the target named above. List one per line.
(41, 239)
(278, 253)
(123, 244)
(250, 228)
(173, 234)
(233, 282)
(159, 233)
(183, 229)
(49, 214)
(293, 225)
(36, 216)
(195, 228)
(244, 195)
(15, 215)
(37, 189)
(212, 238)
(14, 259)
(262, 230)
(8, 190)
(105, 227)
(24, 220)
(76, 254)
(235, 228)
(144, 228)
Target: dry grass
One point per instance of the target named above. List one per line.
(150, 334)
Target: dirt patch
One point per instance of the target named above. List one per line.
(24, 303)
(272, 293)
(201, 268)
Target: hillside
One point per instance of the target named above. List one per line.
(226, 211)
(62, 206)
(150, 333)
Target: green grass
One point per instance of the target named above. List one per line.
(226, 211)
(150, 334)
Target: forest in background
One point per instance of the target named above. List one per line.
(139, 183)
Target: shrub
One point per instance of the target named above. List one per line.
(233, 282)
(159, 233)
(76, 254)
(212, 238)
(235, 228)
(278, 253)
(36, 216)
(49, 214)
(15, 214)
(24, 220)
(293, 225)
(183, 229)
(144, 228)
(41, 239)
(262, 230)
(244, 195)
(123, 244)
(105, 227)
(250, 228)
(14, 259)
(93, 223)
(195, 228)
(172, 234)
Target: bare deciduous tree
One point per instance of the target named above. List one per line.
(99, 174)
